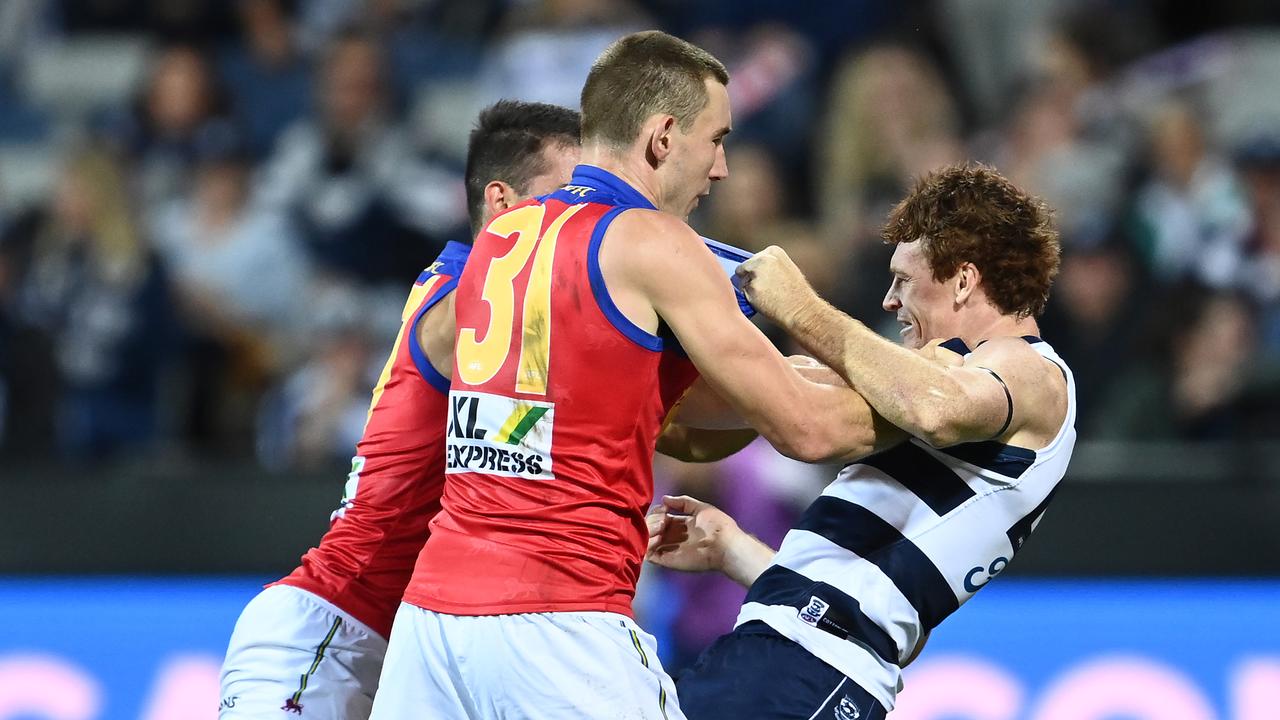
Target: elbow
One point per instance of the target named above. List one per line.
(818, 444)
(935, 428)
(806, 451)
(795, 440)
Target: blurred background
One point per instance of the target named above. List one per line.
(211, 211)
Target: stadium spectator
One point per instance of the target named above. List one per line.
(1193, 382)
(1257, 268)
(97, 304)
(244, 284)
(777, 91)
(266, 73)
(889, 118)
(543, 49)
(239, 267)
(1096, 317)
(1193, 208)
(158, 133)
(316, 415)
(370, 210)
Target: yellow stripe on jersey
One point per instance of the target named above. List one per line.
(410, 307)
(535, 345)
(510, 423)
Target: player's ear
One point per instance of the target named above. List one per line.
(498, 196)
(966, 282)
(659, 132)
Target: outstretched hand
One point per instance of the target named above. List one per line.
(688, 534)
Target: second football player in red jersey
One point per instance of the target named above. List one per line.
(583, 317)
(315, 640)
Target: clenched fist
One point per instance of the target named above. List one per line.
(773, 284)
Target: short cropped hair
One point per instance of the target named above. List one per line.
(507, 143)
(643, 74)
(971, 213)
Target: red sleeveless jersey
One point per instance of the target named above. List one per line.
(365, 559)
(555, 408)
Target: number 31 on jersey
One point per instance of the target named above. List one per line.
(480, 360)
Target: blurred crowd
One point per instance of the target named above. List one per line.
(210, 211)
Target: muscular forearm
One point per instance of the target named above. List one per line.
(908, 390)
(745, 558)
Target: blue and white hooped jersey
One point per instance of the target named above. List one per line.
(899, 540)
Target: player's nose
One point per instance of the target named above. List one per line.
(891, 303)
(720, 168)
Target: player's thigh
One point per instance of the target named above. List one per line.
(420, 677)
(763, 676)
(291, 652)
(572, 666)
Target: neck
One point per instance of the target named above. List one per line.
(998, 326)
(631, 167)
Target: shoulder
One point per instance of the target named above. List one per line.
(659, 254)
(1035, 382)
(655, 236)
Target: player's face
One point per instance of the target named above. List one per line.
(698, 156)
(922, 305)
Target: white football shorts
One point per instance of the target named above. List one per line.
(294, 654)
(531, 666)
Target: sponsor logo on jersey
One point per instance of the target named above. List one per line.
(349, 488)
(499, 435)
(579, 190)
(972, 578)
(812, 613)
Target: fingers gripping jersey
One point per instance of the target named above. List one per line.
(365, 559)
(555, 408)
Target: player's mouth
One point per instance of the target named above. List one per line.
(907, 326)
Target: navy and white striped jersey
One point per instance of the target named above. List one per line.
(900, 540)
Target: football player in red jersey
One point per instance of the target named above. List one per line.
(583, 318)
(314, 642)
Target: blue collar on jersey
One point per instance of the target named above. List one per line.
(594, 184)
(452, 258)
(957, 346)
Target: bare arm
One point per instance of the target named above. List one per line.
(703, 407)
(659, 260)
(699, 445)
(693, 536)
(941, 404)
(436, 331)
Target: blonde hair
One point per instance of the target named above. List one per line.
(117, 249)
(855, 148)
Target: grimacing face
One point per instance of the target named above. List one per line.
(697, 157)
(923, 306)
